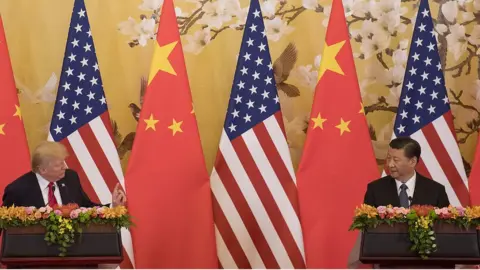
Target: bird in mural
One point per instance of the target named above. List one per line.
(282, 68)
(125, 145)
(46, 94)
(134, 108)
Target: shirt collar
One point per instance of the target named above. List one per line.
(410, 182)
(42, 182)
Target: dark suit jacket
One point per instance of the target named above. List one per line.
(383, 192)
(25, 191)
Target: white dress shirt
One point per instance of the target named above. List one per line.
(410, 185)
(44, 188)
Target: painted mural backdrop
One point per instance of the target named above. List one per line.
(211, 34)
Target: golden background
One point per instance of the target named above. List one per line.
(211, 34)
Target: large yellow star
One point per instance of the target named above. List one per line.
(160, 60)
(151, 122)
(343, 126)
(176, 126)
(318, 121)
(362, 108)
(1, 129)
(328, 59)
(18, 112)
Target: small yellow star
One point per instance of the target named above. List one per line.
(160, 60)
(318, 121)
(18, 112)
(362, 109)
(193, 109)
(151, 122)
(343, 126)
(1, 129)
(328, 59)
(176, 126)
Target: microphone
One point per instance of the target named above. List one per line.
(53, 187)
(410, 198)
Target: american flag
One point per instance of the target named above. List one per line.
(255, 196)
(424, 112)
(81, 120)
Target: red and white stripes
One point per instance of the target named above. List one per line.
(94, 157)
(255, 200)
(441, 159)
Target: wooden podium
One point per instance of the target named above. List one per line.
(25, 247)
(389, 247)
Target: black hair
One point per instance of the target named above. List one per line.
(410, 146)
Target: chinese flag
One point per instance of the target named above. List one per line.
(15, 156)
(167, 183)
(338, 160)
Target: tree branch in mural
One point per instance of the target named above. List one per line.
(473, 125)
(459, 67)
(214, 17)
(380, 105)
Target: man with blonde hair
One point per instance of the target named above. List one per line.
(51, 183)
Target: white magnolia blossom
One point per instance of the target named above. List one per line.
(269, 7)
(276, 28)
(388, 14)
(197, 41)
(307, 76)
(374, 38)
(142, 31)
(450, 10)
(151, 5)
(476, 5)
(241, 16)
(474, 37)
(310, 4)
(218, 12)
(457, 40)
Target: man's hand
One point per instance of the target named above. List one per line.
(118, 196)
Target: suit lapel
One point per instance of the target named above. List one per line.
(37, 197)
(393, 192)
(63, 193)
(418, 189)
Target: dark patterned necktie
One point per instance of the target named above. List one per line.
(403, 196)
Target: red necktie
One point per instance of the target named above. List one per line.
(51, 196)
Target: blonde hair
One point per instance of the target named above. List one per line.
(46, 151)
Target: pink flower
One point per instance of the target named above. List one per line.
(58, 212)
(443, 212)
(29, 210)
(461, 211)
(382, 210)
(74, 213)
(100, 211)
(83, 210)
(49, 209)
(42, 209)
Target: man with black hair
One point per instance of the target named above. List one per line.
(404, 186)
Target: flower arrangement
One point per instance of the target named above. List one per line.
(63, 222)
(420, 220)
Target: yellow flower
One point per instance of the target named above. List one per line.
(115, 212)
(472, 212)
(367, 210)
(424, 222)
